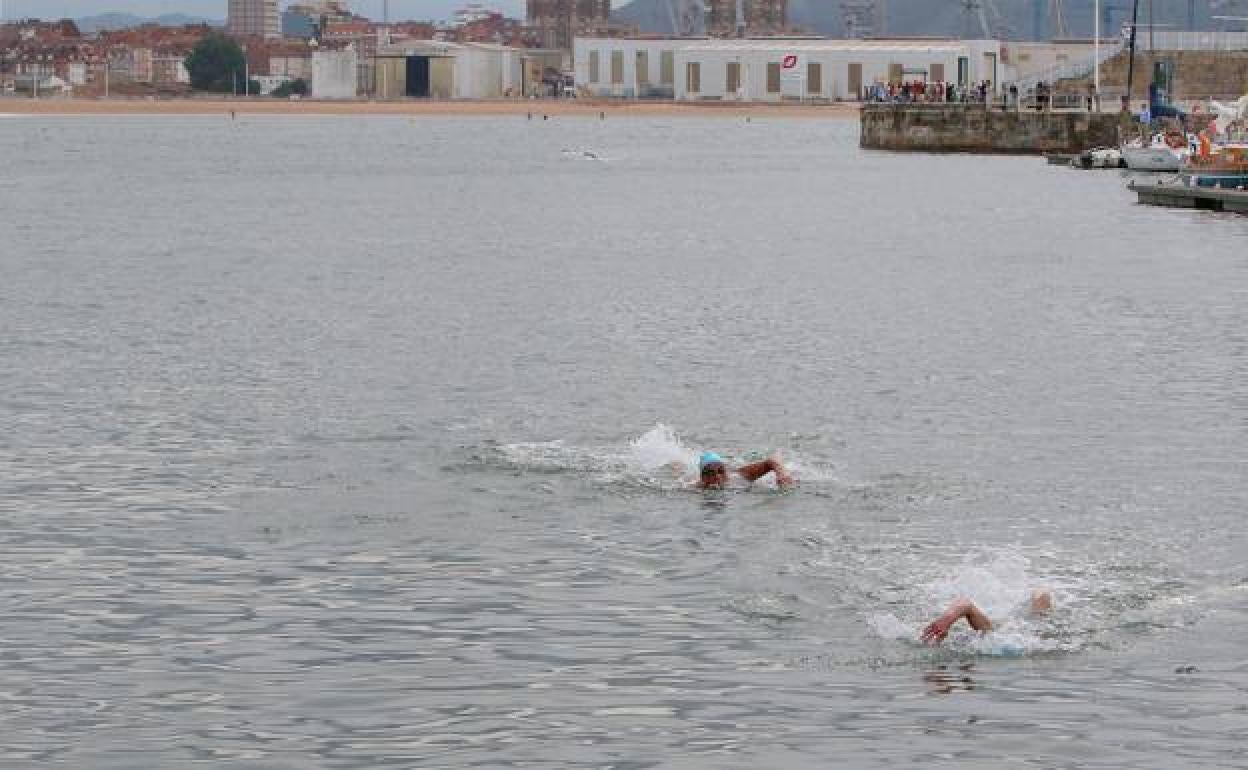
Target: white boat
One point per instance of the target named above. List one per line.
(1101, 157)
(1166, 152)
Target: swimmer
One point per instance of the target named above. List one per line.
(1040, 603)
(713, 472)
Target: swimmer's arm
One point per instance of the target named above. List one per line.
(755, 471)
(938, 629)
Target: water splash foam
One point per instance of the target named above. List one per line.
(1000, 584)
(657, 458)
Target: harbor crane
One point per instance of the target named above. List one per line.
(978, 11)
(687, 16)
(1107, 12)
(1224, 11)
(1057, 10)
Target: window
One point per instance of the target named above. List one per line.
(667, 68)
(937, 72)
(732, 82)
(617, 67)
(814, 78)
(853, 79)
(593, 66)
(773, 77)
(693, 77)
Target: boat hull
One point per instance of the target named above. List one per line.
(1161, 159)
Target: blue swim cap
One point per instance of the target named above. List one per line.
(709, 458)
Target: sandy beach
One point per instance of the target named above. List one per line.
(263, 106)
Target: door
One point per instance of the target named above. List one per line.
(442, 77)
(643, 69)
(937, 73)
(814, 78)
(964, 72)
(854, 81)
(732, 78)
(667, 68)
(417, 77)
(693, 77)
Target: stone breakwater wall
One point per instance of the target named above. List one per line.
(973, 128)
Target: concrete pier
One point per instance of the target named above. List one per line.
(976, 129)
(1177, 195)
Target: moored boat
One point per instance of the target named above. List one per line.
(1100, 157)
(1227, 168)
(1166, 152)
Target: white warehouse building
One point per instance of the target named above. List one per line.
(441, 70)
(775, 69)
(335, 74)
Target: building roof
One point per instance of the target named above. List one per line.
(746, 45)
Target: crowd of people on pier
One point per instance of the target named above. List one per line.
(938, 92)
(1039, 97)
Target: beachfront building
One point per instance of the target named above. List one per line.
(336, 74)
(628, 68)
(776, 69)
(436, 69)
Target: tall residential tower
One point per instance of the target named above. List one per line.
(557, 22)
(253, 18)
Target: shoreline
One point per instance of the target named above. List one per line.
(413, 108)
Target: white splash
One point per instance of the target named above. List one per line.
(656, 458)
(660, 447)
(1001, 585)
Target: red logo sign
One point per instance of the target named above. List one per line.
(790, 61)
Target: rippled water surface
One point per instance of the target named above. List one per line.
(349, 443)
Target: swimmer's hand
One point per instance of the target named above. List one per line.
(936, 631)
(784, 479)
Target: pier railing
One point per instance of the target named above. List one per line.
(1070, 70)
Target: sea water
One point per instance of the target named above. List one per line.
(365, 442)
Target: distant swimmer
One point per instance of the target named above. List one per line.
(713, 472)
(1039, 603)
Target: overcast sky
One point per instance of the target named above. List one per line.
(399, 9)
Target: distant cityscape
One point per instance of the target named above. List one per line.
(332, 51)
(118, 54)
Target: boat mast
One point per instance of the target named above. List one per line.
(1135, 17)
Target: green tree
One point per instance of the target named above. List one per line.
(216, 64)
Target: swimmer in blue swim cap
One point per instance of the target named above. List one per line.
(1040, 603)
(713, 472)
